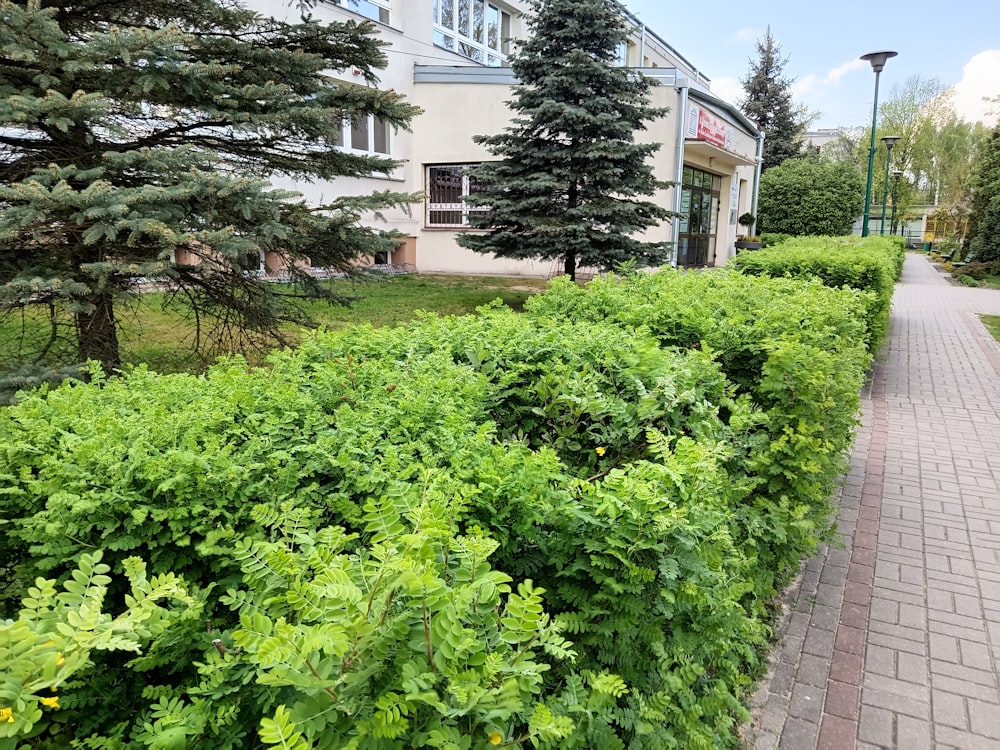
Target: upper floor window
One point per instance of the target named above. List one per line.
(376, 10)
(366, 133)
(477, 29)
(621, 55)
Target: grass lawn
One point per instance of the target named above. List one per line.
(162, 339)
(992, 323)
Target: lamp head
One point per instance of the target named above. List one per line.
(877, 59)
(889, 141)
(897, 173)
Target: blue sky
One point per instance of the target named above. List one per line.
(956, 42)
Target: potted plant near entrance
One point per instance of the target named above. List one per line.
(747, 241)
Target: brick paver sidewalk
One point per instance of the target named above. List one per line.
(893, 640)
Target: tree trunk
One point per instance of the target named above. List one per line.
(97, 335)
(569, 265)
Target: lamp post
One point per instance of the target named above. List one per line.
(877, 60)
(889, 141)
(895, 198)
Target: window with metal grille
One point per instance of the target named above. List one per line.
(448, 185)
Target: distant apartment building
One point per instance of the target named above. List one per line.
(449, 57)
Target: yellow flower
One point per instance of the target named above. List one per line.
(59, 659)
(7, 714)
(52, 702)
(495, 738)
(599, 450)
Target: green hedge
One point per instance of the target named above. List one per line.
(559, 528)
(868, 264)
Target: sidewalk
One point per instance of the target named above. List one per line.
(892, 640)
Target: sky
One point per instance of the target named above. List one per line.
(956, 42)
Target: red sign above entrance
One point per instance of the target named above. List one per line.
(711, 129)
(705, 126)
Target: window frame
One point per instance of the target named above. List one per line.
(461, 206)
(492, 52)
(383, 7)
(347, 137)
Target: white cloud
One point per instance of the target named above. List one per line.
(979, 79)
(803, 86)
(728, 89)
(840, 71)
(748, 34)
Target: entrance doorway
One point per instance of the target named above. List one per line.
(699, 218)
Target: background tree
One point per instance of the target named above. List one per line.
(936, 150)
(810, 195)
(768, 103)
(569, 180)
(983, 236)
(134, 133)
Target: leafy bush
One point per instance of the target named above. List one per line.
(977, 270)
(655, 452)
(871, 265)
(795, 349)
(769, 239)
(810, 196)
(56, 632)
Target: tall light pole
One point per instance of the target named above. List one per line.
(877, 59)
(889, 141)
(895, 199)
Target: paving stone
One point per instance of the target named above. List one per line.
(798, 734)
(875, 725)
(914, 734)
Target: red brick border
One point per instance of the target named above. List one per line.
(839, 725)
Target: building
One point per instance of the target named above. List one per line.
(449, 58)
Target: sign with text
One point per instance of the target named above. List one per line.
(705, 126)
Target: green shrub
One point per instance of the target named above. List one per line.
(871, 265)
(796, 349)
(655, 452)
(977, 270)
(769, 239)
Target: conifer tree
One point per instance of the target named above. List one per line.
(137, 140)
(983, 235)
(768, 103)
(570, 181)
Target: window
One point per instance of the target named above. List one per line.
(621, 55)
(476, 29)
(366, 133)
(448, 186)
(376, 10)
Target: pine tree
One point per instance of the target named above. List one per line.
(768, 103)
(984, 211)
(136, 133)
(569, 181)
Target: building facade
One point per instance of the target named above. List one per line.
(449, 57)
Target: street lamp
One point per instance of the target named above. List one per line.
(877, 59)
(895, 199)
(889, 141)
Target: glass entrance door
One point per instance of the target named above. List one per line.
(699, 218)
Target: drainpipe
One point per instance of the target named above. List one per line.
(756, 181)
(683, 86)
(642, 46)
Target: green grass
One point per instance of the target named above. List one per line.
(162, 339)
(992, 323)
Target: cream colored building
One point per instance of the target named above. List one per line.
(449, 58)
